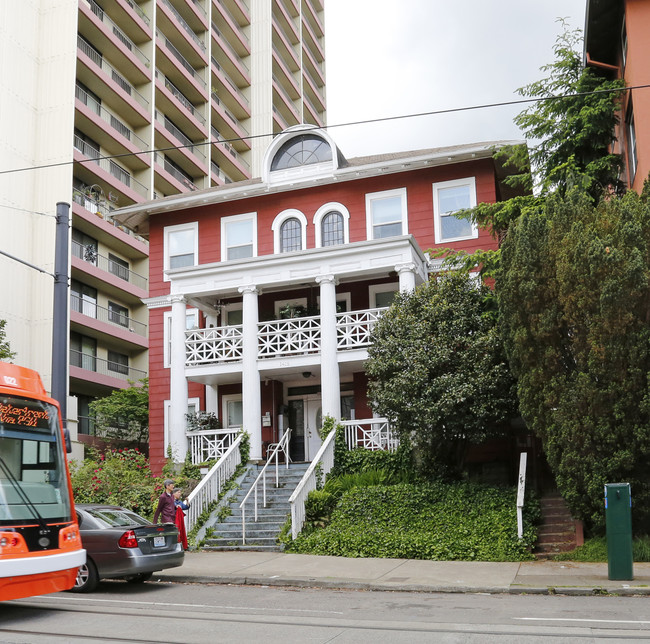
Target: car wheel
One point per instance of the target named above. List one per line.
(139, 578)
(87, 578)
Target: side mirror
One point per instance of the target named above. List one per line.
(68, 442)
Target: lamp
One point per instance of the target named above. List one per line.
(306, 374)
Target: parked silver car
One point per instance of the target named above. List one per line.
(121, 544)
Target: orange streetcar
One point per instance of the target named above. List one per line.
(40, 545)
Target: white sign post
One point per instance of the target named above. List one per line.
(521, 488)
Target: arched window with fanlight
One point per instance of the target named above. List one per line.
(331, 225)
(306, 149)
(289, 231)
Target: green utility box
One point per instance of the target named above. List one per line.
(618, 516)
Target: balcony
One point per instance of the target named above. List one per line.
(91, 168)
(229, 26)
(285, 105)
(227, 156)
(113, 88)
(98, 28)
(89, 255)
(194, 13)
(229, 58)
(226, 121)
(103, 367)
(279, 338)
(228, 92)
(174, 25)
(110, 131)
(188, 154)
(174, 180)
(172, 63)
(172, 102)
(96, 312)
(239, 10)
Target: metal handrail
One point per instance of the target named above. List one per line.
(282, 446)
(211, 484)
(325, 455)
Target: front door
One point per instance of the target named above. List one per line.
(305, 419)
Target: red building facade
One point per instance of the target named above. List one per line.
(263, 293)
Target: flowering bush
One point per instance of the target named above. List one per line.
(117, 476)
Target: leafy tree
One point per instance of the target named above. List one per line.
(574, 297)
(438, 372)
(6, 353)
(569, 132)
(124, 414)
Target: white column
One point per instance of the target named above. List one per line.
(178, 382)
(251, 403)
(330, 379)
(406, 274)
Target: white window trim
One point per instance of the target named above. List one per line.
(374, 289)
(249, 216)
(326, 209)
(384, 194)
(224, 406)
(277, 225)
(167, 405)
(295, 301)
(194, 226)
(167, 334)
(467, 181)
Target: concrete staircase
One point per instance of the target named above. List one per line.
(261, 534)
(558, 532)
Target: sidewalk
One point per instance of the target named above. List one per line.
(280, 569)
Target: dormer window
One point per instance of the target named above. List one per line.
(306, 149)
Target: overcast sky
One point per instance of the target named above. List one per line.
(395, 57)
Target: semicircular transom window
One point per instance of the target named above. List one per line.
(306, 149)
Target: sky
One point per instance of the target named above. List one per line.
(387, 58)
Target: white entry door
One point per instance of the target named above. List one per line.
(305, 419)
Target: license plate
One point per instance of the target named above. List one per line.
(158, 542)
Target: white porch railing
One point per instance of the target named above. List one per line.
(372, 434)
(209, 444)
(209, 488)
(289, 337)
(214, 345)
(282, 446)
(325, 457)
(294, 336)
(353, 328)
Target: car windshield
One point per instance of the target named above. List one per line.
(116, 517)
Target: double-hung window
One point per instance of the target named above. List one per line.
(239, 236)
(448, 198)
(181, 246)
(386, 214)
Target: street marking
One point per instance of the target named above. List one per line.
(576, 619)
(170, 604)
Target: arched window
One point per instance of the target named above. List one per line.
(290, 235)
(332, 229)
(331, 225)
(306, 149)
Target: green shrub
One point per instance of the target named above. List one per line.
(442, 521)
(117, 476)
(595, 550)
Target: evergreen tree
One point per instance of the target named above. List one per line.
(438, 372)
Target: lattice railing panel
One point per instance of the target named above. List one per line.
(214, 345)
(353, 328)
(294, 336)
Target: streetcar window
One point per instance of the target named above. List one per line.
(33, 485)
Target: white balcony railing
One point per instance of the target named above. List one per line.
(372, 434)
(279, 338)
(353, 329)
(217, 345)
(209, 444)
(294, 336)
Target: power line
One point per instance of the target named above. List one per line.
(383, 119)
(31, 212)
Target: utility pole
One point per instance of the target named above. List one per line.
(60, 314)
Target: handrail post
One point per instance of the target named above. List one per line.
(243, 526)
